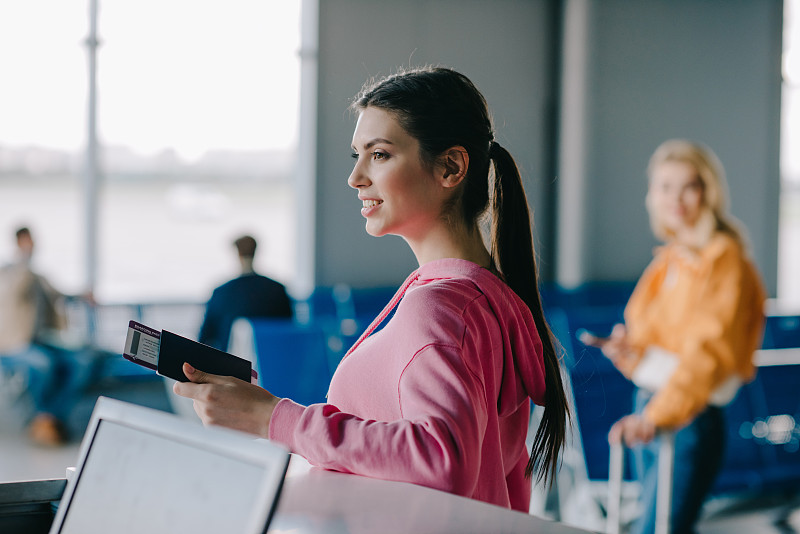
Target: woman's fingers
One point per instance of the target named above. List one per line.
(632, 429)
(615, 433)
(619, 331)
(227, 401)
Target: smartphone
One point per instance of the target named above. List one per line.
(589, 339)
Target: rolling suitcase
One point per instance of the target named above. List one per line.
(666, 454)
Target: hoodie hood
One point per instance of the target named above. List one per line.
(523, 363)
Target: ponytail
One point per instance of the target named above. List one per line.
(513, 254)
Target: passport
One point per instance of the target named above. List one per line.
(165, 352)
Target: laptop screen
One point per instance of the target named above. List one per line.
(158, 473)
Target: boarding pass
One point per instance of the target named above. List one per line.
(165, 352)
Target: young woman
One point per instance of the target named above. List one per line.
(440, 396)
(698, 308)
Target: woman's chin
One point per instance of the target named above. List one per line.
(374, 231)
(678, 226)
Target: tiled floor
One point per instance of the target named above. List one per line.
(22, 460)
(19, 460)
(766, 515)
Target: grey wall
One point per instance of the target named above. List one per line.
(501, 45)
(706, 70)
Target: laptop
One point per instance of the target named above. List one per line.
(144, 470)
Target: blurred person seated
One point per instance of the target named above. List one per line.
(33, 341)
(248, 295)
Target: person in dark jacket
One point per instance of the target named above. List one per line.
(248, 295)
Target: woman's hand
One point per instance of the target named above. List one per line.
(632, 429)
(615, 347)
(227, 401)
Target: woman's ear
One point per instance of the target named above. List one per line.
(454, 165)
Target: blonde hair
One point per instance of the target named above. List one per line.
(714, 215)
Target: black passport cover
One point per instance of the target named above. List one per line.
(175, 349)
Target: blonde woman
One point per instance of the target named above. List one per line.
(691, 327)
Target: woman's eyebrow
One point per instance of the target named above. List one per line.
(376, 141)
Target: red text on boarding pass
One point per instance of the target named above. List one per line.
(142, 345)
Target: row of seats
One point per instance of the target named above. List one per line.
(763, 420)
(296, 358)
(293, 359)
(335, 314)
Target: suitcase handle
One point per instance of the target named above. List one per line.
(666, 454)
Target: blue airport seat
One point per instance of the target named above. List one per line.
(340, 336)
(764, 421)
(764, 433)
(602, 395)
(118, 368)
(744, 462)
(370, 301)
(776, 427)
(292, 359)
(345, 302)
(608, 293)
(567, 321)
(297, 360)
(781, 332)
(550, 293)
(321, 302)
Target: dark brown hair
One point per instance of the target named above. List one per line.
(441, 108)
(246, 246)
(23, 231)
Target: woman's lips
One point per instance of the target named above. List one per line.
(369, 206)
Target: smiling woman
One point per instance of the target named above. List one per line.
(440, 395)
(400, 194)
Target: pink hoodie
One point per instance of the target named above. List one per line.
(438, 397)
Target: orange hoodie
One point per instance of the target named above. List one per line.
(707, 307)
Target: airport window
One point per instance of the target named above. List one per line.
(789, 232)
(42, 132)
(196, 110)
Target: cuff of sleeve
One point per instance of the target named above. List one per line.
(284, 420)
(662, 415)
(628, 366)
(647, 414)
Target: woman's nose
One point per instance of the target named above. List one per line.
(673, 195)
(357, 178)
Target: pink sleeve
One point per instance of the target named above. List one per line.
(437, 443)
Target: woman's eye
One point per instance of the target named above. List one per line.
(379, 155)
(354, 155)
